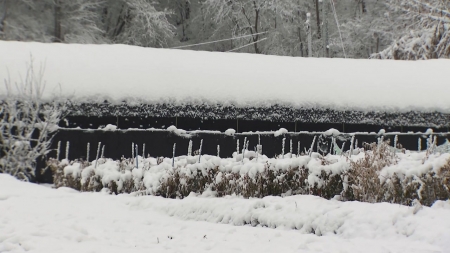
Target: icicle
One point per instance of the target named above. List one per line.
(137, 157)
(200, 150)
(244, 147)
(290, 147)
(88, 150)
(331, 145)
(434, 143)
(259, 149)
(103, 152)
(218, 150)
(237, 147)
(356, 143)
(335, 146)
(143, 151)
(282, 147)
(173, 155)
(380, 141)
(312, 146)
(58, 150)
(132, 150)
(259, 139)
(67, 150)
(298, 149)
(351, 146)
(430, 144)
(342, 148)
(98, 153)
(395, 143)
(190, 148)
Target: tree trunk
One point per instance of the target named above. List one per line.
(326, 50)
(187, 9)
(301, 42)
(256, 37)
(57, 14)
(378, 45)
(3, 17)
(120, 24)
(318, 19)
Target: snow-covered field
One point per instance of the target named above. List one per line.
(36, 218)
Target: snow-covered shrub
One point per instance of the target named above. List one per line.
(117, 176)
(425, 32)
(27, 124)
(428, 183)
(248, 178)
(327, 182)
(363, 176)
(382, 176)
(266, 180)
(57, 169)
(65, 173)
(377, 174)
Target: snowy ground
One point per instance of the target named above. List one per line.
(36, 218)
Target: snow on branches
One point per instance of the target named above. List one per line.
(427, 34)
(27, 125)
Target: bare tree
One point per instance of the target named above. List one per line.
(370, 29)
(27, 125)
(5, 6)
(73, 21)
(283, 20)
(137, 22)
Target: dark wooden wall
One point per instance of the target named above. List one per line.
(160, 143)
(241, 124)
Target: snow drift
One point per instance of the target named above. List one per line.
(38, 219)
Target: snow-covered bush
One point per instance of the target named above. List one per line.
(385, 176)
(425, 30)
(248, 178)
(266, 181)
(363, 176)
(27, 124)
(378, 174)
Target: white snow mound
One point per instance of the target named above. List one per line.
(119, 72)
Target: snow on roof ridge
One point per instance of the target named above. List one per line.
(147, 75)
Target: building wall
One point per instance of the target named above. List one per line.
(160, 143)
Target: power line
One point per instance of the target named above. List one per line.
(339, 29)
(210, 42)
(246, 45)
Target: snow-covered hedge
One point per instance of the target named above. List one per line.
(379, 174)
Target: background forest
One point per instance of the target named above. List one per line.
(385, 29)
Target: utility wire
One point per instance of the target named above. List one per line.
(246, 45)
(210, 42)
(339, 29)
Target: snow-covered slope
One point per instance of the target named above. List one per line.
(38, 219)
(118, 72)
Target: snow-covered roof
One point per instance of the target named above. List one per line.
(138, 75)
